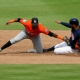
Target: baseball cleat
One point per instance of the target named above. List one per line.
(32, 51)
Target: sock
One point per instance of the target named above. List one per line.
(6, 45)
(51, 49)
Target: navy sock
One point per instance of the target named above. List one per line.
(51, 49)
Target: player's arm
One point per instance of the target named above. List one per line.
(58, 36)
(13, 20)
(51, 34)
(63, 23)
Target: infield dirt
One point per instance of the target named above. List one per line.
(16, 54)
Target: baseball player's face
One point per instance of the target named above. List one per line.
(73, 25)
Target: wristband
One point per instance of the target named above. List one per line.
(60, 37)
(11, 21)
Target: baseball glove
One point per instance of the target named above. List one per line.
(66, 39)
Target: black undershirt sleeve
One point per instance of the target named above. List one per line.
(50, 33)
(19, 19)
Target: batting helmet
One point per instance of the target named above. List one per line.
(74, 21)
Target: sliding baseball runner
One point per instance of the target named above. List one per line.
(72, 45)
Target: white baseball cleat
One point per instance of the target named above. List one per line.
(32, 51)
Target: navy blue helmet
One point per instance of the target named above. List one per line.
(74, 21)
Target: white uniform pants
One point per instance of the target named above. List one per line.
(24, 35)
(63, 48)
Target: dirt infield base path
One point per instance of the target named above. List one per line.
(16, 54)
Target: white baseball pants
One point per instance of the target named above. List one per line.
(63, 48)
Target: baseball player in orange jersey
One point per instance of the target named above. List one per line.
(32, 30)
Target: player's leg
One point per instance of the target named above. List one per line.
(22, 35)
(49, 49)
(62, 44)
(37, 45)
(19, 37)
(63, 50)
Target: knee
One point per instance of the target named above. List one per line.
(56, 51)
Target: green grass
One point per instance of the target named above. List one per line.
(45, 10)
(40, 72)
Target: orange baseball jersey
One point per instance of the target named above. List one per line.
(35, 32)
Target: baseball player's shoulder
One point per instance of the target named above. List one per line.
(25, 21)
(42, 28)
(40, 25)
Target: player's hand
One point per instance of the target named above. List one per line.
(7, 23)
(58, 22)
(66, 39)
